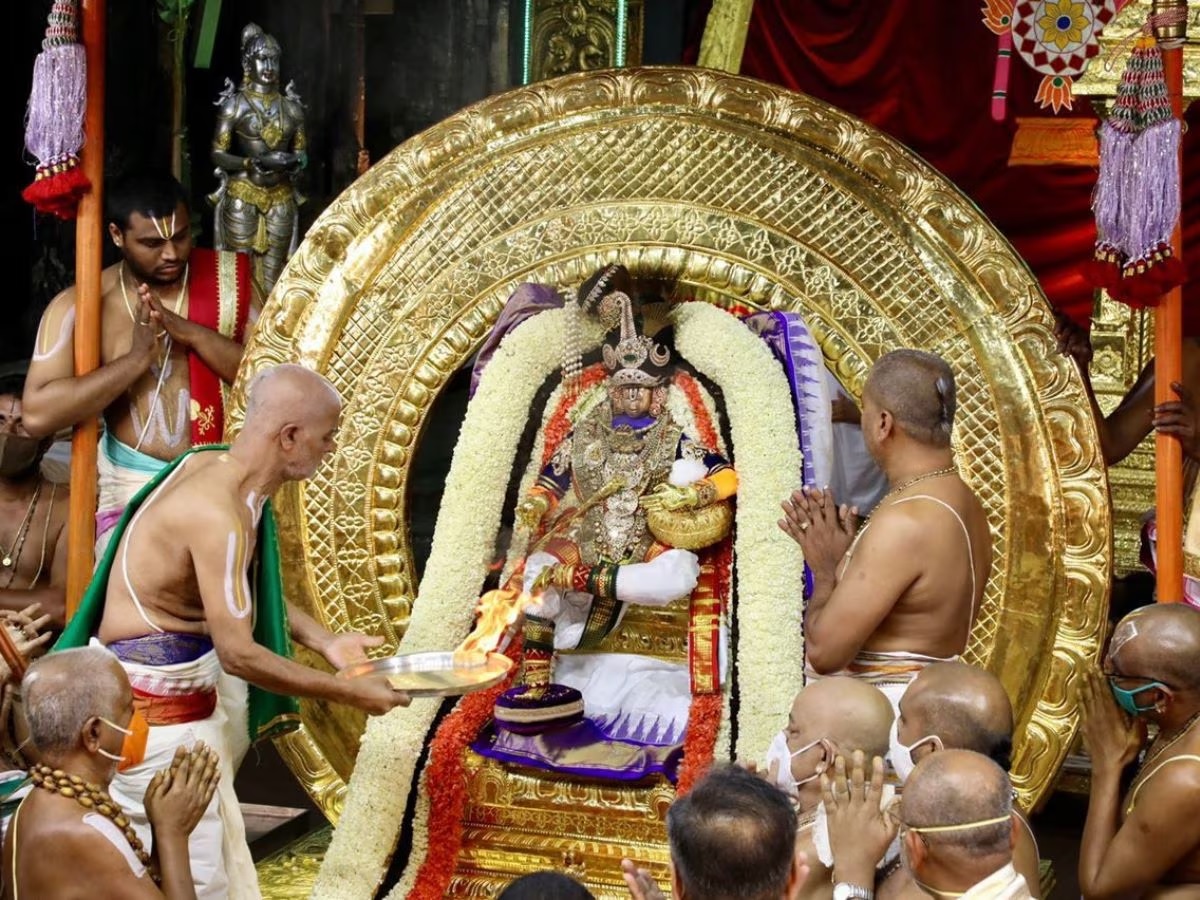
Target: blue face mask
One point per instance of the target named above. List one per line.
(1125, 699)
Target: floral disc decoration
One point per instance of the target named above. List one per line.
(1055, 37)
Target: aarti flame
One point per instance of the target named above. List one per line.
(498, 611)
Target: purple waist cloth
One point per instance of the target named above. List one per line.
(107, 519)
(579, 749)
(164, 648)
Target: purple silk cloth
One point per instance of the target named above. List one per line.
(797, 351)
(635, 423)
(791, 343)
(526, 301)
(579, 749)
(163, 648)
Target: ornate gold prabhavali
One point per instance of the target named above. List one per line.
(740, 193)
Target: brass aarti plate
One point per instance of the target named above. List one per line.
(740, 193)
(434, 674)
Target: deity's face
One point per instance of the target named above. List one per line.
(264, 65)
(156, 250)
(632, 400)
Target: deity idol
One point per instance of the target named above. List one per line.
(259, 149)
(615, 518)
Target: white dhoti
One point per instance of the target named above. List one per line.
(890, 671)
(121, 472)
(220, 857)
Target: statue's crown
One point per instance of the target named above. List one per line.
(626, 361)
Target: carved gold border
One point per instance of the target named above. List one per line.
(741, 192)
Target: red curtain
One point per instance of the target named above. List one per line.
(922, 71)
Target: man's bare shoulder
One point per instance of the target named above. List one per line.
(96, 861)
(1179, 777)
(207, 492)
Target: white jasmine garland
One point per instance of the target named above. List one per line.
(467, 524)
(770, 568)
(767, 598)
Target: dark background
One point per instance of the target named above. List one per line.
(423, 62)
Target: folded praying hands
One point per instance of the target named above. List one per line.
(824, 530)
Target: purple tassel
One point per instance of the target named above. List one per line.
(1155, 165)
(57, 102)
(1106, 200)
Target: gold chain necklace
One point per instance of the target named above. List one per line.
(951, 469)
(14, 551)
(180, 298)
(91, 797)
(1159, 751)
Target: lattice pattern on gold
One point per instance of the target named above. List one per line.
(516, 823)
(740, 192)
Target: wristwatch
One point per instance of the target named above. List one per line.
(843, 890)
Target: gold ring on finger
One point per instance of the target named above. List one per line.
(804, 526)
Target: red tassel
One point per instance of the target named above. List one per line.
(58, 193)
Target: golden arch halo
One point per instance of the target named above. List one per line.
(743, 194)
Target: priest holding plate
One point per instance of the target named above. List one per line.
(172, 599)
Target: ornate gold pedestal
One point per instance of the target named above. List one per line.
(517, 822)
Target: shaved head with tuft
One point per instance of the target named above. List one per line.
(917, 388)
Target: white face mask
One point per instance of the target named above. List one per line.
(820, 832)
(900, 755)
(782, 757)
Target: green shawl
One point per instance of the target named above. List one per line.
(268, 714)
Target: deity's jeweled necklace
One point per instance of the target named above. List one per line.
(91, 797)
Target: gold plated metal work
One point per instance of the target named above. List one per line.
(568, 36)
(1099, 82)
(740, 193)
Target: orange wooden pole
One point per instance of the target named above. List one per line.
(88, 265)
(1168, 362)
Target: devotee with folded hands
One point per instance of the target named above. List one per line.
(955, 823)
(829, 718)
(902, 591)
(1144, 840)
(69, 838)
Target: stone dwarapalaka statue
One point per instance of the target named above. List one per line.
(259, 149)
(593, 515)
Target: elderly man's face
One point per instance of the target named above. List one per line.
(806, 726)
(911, 724)
(10, 415)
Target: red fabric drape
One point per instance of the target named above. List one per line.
(922, 71)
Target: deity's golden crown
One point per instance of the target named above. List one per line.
(625, 361)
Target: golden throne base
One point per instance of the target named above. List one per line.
(517, 823)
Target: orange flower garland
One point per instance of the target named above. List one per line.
(447, 784)
(559, 424)
(704, 714)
